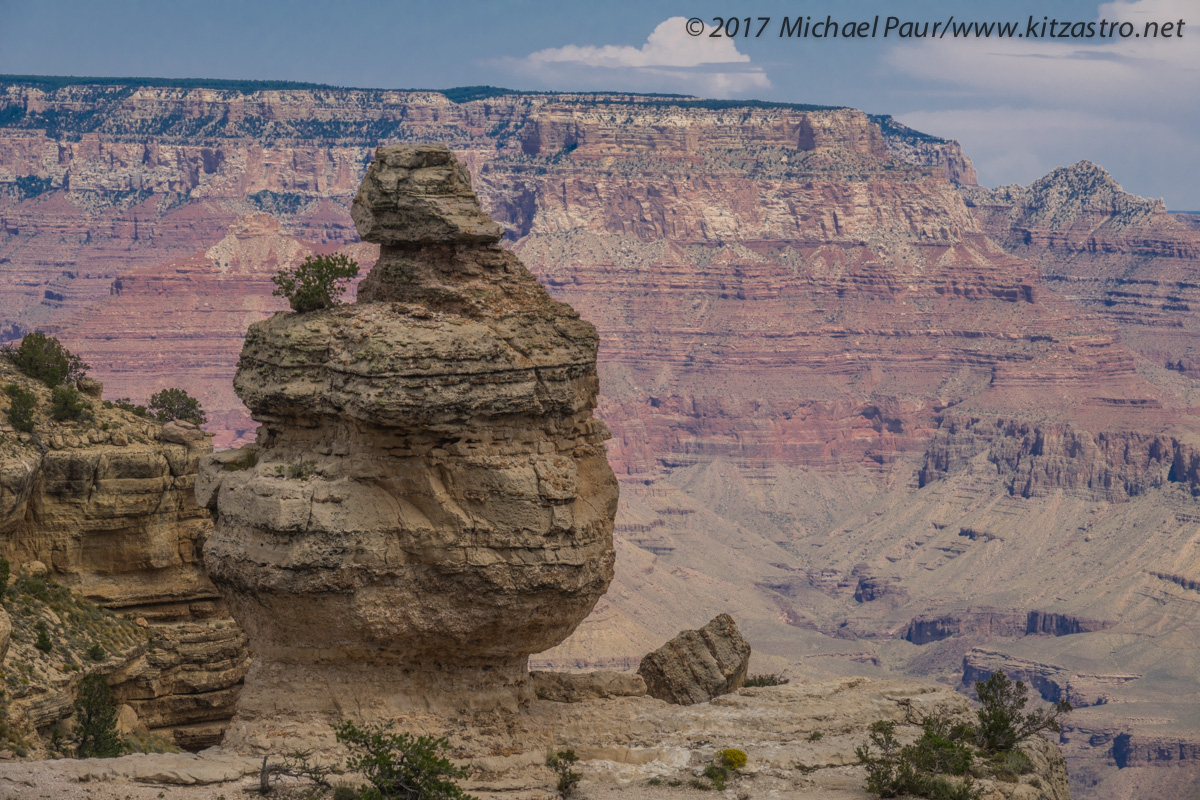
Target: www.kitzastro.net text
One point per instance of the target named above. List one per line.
(880, 27)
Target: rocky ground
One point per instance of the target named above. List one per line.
(799, 738)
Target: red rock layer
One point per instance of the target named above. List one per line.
(770, 284)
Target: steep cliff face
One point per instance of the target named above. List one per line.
(428, 502)
(107, 506)
(1038, 459)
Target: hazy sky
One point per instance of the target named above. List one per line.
(1020, 106)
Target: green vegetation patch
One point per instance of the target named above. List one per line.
(55, 633)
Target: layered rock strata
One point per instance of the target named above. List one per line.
(106, 507)
(428, 501)
(1120, 256)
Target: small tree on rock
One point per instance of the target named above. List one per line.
(1002, 721)
(67, 404)
(399, 766)
(315, 284)
(96, 719)
(21, 404)
(44, 358)
(176, 404)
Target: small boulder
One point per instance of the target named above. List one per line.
(127, 720)
(180, 432)
(697, 666)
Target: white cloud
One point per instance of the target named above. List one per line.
(670, 60)
(1023, 106)
(1114, 74)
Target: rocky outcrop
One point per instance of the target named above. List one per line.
(1120, 256)
(1052, 682)
(871, 588)
(1036, 459)
(987, 623)
(1133, 750)
(106, 507)
(427, 502)
(995, 624)
(914, 147)
(697, 666)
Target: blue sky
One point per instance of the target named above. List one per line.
(1020, 106)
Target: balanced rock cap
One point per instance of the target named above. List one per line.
(414, 195)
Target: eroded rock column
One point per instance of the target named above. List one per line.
(428, 501)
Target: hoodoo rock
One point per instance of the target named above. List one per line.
(428, 501)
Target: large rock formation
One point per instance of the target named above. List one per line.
(428, 501)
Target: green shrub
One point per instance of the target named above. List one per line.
(920, 768)
(176, 404)
(97, 652)
(301, 470)
(1011, 764)
(316, 283)
(561, 762)
(96, 719)
(21, 404)
(1002, 721)
(43, 642)
(125, 404)
(399, 766)
(44, 358)
(770, 679)
(5, 572)
(718, 775)
(724, 766)
(67, 404)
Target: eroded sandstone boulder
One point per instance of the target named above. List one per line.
(697, 666)
(428, 501)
